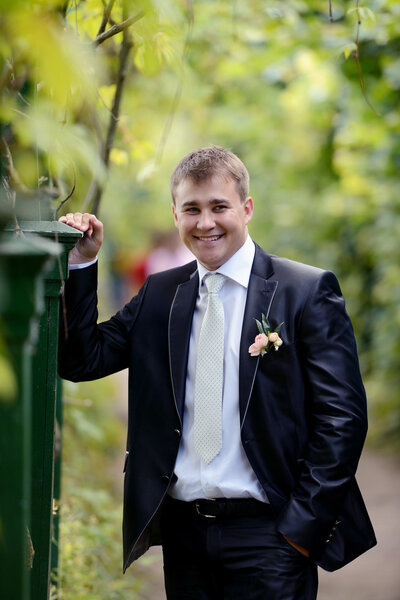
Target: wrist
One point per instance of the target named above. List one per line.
(77, 258)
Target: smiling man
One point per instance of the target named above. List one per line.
(211, 218)
(241, 464)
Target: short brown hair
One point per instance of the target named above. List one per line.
(205, 163)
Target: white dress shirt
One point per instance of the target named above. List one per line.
(77, 266)
(229, 474)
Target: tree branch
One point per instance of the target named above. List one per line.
(13, 176)
(10, 192)
(330, 12)
(67, 197)
(5, 74)
(105, 17)
(179, 87)
(117, 28)
(11, 196)
(96, 188)
(15, 182)
(356, 56)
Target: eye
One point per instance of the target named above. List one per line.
(191, 210)
(219, 207)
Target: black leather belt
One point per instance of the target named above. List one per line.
(212, 508)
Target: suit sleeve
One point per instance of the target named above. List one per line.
(337, 418)
(88, 350)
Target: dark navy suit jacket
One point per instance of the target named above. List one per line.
(302, 409)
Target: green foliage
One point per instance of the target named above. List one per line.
(54, 119)
(279, 85)
(275, 82)
(91, 509)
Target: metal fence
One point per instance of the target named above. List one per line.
(33, 267)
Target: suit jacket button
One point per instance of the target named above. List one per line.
(177, 432)
(165, 478)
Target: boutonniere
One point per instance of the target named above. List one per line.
(266, 339)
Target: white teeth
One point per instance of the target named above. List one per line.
(209, 239)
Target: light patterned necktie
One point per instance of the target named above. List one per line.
(209, 374)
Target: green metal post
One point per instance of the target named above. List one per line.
(22, 261)
(57, 481)
(44, 387)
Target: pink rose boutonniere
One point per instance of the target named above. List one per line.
(266, 339)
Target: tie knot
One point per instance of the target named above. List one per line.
(214, 282)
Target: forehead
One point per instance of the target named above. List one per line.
(207, 190)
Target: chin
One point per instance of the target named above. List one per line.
(212, 265)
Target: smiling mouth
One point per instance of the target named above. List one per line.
(210, 238)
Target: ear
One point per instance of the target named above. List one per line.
(248, 206)
(174, 212)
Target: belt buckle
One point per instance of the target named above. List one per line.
(203, 514)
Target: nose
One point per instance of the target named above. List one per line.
(206, 220)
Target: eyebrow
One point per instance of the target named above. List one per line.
(189, 203)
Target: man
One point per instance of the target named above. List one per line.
(247, 413)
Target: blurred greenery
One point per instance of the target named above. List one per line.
(276, 82)
(91, 508)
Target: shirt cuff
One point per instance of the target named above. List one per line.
(82, 265)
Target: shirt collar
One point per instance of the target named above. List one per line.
(238, 267)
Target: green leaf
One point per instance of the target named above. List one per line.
(366, 13)
(266, 325)
(362, 12)
(260, 327)
(277, 329)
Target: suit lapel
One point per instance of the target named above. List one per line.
(179, 328)
(260, 294)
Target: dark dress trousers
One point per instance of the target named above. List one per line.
(302, 409)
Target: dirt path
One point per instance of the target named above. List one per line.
(373, 576)
(376, 574)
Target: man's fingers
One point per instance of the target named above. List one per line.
(89, 245)
(84, 222)
(87, 223)
(73, 219)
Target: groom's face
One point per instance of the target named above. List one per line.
(211, 219)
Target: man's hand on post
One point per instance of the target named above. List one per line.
(87, 248)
